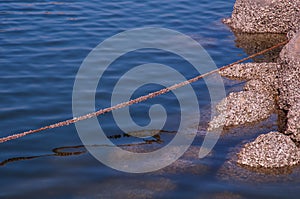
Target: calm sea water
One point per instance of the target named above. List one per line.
(43, 44)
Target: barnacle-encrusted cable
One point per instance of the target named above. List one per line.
(136, 100)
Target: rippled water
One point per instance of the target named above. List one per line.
(43, 44)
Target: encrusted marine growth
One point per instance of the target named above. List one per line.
(265, 16)
(269, 85)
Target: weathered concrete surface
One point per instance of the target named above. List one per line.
(265, 16)
(272, 150)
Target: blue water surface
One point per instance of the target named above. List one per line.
(43, 44)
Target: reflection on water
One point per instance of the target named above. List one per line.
(56, 152)
(188, 163)
(80, 149)
(42, 46)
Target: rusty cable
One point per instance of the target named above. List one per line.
(136, 100)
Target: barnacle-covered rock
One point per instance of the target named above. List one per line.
(293, 122)
(272, 150)
(260, 87)
(242, 107)
(249, 71)
(264, 81)
(233, 172)
(264, 72)
(289, 74)
(265, 16)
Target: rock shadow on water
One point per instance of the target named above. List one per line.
(249, 130)
(254, 43)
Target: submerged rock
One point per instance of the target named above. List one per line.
(224, 195)
(265, 16)
(254, 43)
(131, 187)
(272, 150)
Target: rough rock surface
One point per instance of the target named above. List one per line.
(232, 172)
(264, 72)
(242, 107)
(289, 85)
(272, 150)
(289, 74)
(260, 87)
(293, 122)
(265, 16)
(255, 103)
